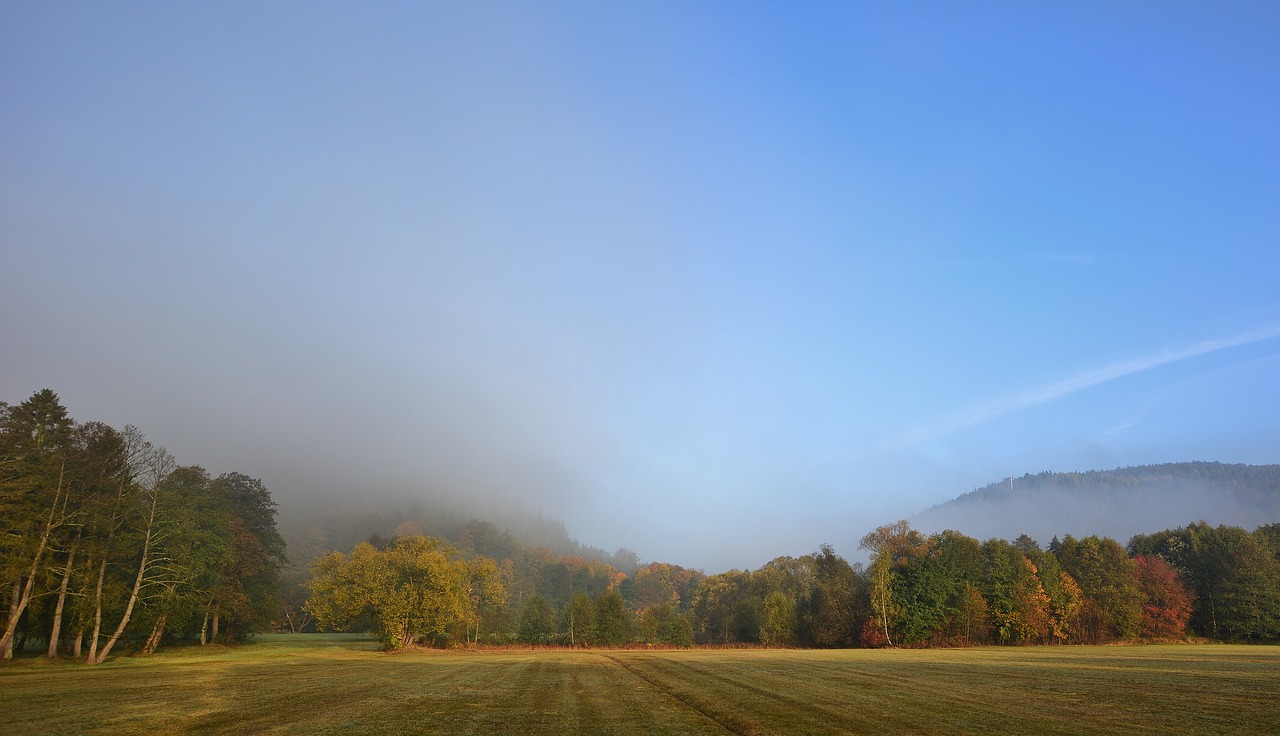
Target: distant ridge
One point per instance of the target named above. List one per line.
(1115, 503)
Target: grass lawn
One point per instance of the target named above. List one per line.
(315, 684)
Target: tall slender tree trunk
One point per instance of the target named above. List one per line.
(204, 627)
(13, 611)
(6, 641)
(75, 648)
(216, 614)
(55, 632)
(97, 610)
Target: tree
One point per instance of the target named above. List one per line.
(193, 547)
(891, 547)
(96, 463)
(931, 587)
(117, 464)
(660, 582)
(486, 591)
(1232, 574)
(1166, 602)
(973, 617)
(723, 608)
(778, 625)
(1105, 574)
(34, 495)
(613, 623)
(537, 621)
(832, 609)
(580, 620)
(1064, 595)
(96, 523)
(413, 590)
(1066, 601)
(247, 588)
(661, 623)
(1017, 604)
(154, 466)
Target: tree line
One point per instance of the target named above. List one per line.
(1218, 582)
(944, 589)
(106, 538)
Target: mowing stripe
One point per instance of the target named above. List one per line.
(728, 727)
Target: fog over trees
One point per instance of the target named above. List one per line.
(1117, 503)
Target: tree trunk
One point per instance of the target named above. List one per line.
(216, 613)
(13, 608)
(97, 610)
(204, 627)
(75, 648)
(157, 632)
(6, 641)
(55, 632)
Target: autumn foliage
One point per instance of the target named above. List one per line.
(1166, 606)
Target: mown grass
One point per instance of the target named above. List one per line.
(334, 684)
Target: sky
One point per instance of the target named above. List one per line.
(714, 282)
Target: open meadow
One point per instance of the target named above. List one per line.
(316, 684)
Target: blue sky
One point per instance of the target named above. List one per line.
(712, 281)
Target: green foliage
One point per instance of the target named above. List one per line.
(833, 610)
(487, 595)
(662, 624)
(893, 548)
(537, 622)
(1234, 575)
(660, 582)
(778, 624)
(930, 587)
(613, 622)
(580, 620)
(1015, 595)
(1105, 574)
(724, 609)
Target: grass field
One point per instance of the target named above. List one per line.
(309, 684)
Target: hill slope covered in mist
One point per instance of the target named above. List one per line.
(1115, 503)
(319, 526)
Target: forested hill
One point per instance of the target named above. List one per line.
(314, 527)
(1116, 503)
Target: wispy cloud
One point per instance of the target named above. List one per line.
(951, 423)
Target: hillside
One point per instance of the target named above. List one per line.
(1116, 503)
(318, 526)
